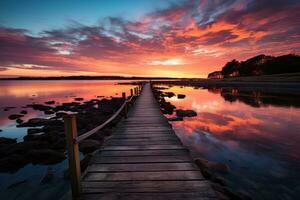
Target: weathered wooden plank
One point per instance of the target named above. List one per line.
(139, 167)
(148, 147)
(142, 159)
(147, 176)
(143, 136)
(144, 139)
(148, 186)
(149, 196)
(172, 152)
(129, 143)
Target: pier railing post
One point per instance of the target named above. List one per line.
(74, 160)
(131, 92)
(125, 108)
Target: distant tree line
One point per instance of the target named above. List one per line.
(259, 65)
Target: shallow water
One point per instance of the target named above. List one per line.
(256, 133)
(20, 93)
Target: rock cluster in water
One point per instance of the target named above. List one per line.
(45, 139)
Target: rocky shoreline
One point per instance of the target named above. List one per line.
(45, 140)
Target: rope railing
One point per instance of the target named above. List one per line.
(73, 139)
(98, 128)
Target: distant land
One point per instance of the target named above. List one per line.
(259, 65)
(87, 78)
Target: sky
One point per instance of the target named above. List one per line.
(161, 38)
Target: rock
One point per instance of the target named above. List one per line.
(40, 122)
(78, 99)
(7, 108)
(60, 144)
(19, 121)
(48, 112)
(169, 94)
(88, 146)
(180, 96)
(16, 184)
(45, 156)
(14, 116)
(24, 112)
(12, 163)
(40, 107)
(50, 102)
(185, 113)
(34, 130)
(4, 140)
(229, 193)
(0, 130)
(206, 164)
(206, 173)
(49, 176)
(167, 107)
(174, 119)
(61, 114)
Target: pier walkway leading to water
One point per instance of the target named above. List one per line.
(144, 159)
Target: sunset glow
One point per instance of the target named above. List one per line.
(149, 38)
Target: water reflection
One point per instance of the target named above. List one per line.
(256, 133)
(258, 98)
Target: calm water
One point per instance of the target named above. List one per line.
(257, 134)
(20, 93)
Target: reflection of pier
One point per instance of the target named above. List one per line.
(143, 159)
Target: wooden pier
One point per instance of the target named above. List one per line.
(144, 159)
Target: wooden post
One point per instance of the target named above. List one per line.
(135, 93)
(125, 108)
(74, 161)
(131, 92)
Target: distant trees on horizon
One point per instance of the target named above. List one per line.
(259, 65)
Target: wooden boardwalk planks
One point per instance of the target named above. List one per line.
(144, 159)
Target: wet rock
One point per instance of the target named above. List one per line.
(60, 144)
(4, 140)
(34, 122)
(16, 184)
(48, 176)
(229, 193)
(180, 96)
(40, 107)
(14, 116)
(78, 99)
(88, 146)
(50, 102)
(34, 130)
(7, 108)
(19, 121)
(206, 164)
(45, 156)
(12, 163)
(167, 107)
(24, 112)
(48, 112)
(185, 113)
(206, 173)
(61, 114)
(173, 119)
(219, 180)
(168, 94)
